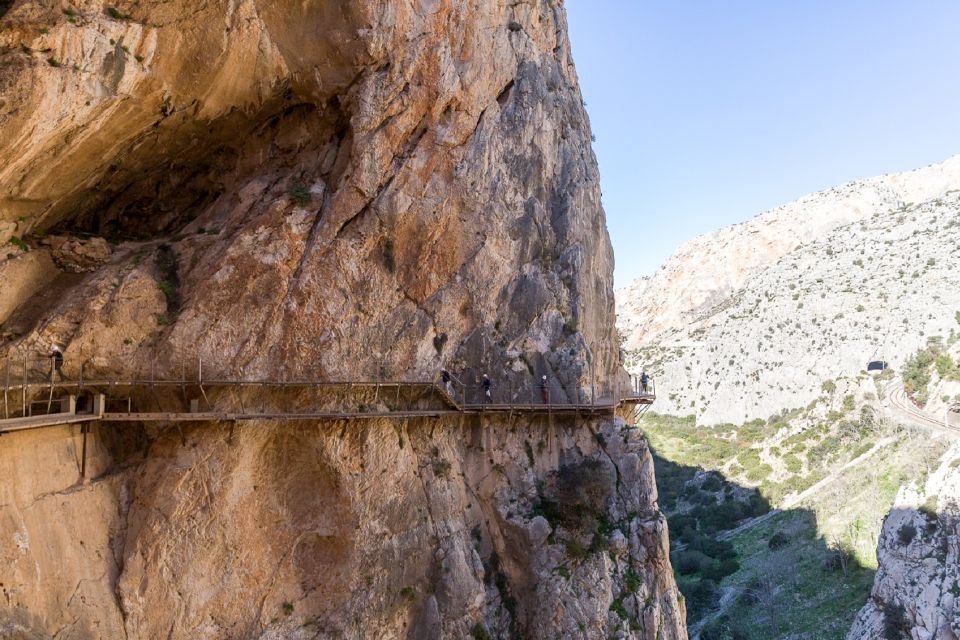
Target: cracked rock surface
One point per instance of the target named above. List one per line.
(339, 191)
(917, 587)
(419, 529)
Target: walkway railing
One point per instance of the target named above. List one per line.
(32, 387)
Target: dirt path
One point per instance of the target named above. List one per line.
(795, 499)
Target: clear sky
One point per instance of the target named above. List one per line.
(708, 112)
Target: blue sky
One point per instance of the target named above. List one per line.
(707, 113)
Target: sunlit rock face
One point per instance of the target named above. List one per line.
(750, 320)
(353, 190)
(360, 189)
(916, 593)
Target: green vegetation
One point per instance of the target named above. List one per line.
(479, 632)
(803, 573)
(918, 370)
(116, 14)
(408, 593)
(299, 194)
(53, 62)
(169, 284)
(19, 243)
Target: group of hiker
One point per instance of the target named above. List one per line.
(487, 386)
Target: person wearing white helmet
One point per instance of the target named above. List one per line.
(56, 356)
(544, 390)
(487, 385)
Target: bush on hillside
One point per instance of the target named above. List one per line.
(906, 534)
(778, 540)
(895, 624)
(916, 371)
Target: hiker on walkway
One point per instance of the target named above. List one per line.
(56, 356)
(544, 390)
(644, 381)
(486, 384)
(447, 381)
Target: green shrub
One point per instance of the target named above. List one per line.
(299, 194)
(944, 364)
(906, 534)
(916, 371)
(895, 624)
(617, 607)
(778, 540)
(479, 632)
(829, 386)
(19, 243)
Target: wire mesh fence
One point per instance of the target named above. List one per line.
(34, 384)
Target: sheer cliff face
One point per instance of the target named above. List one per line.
(381, 529)
(392, 185)
(346, 190)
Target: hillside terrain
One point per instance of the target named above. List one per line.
(876, 288)
(705, 272)
(760, 360)
(366, 190)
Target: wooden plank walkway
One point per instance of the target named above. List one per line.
(47, 420)
(427, 391)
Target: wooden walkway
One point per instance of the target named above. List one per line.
(411, 394)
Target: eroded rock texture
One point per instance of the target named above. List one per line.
(916, 593)
(363, 188)
(417, 529)
(348, 190)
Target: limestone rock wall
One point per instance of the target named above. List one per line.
(352, 190)
(875, 289)
(707, 272)
(916, 592)
(388, 529)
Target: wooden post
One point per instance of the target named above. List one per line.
(24, 387)
(6, 387)
(83, 449)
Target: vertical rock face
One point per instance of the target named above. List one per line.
(371, 189)
(348, 190)
(387, 529)
(916, 593)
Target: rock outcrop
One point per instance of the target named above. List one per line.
(916, 593)
(388, 529)
(356, 190)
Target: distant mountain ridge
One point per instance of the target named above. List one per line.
(752, 319)
(706, 271)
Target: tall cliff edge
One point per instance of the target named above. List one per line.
(334, 191)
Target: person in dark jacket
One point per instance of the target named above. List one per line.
(644, 381)
(486, 384)
(544, 390)
(447, 381)
(56, 356)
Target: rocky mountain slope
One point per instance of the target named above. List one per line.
(708, 270)
(360, 190)
(758, 336)
(875, 288)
